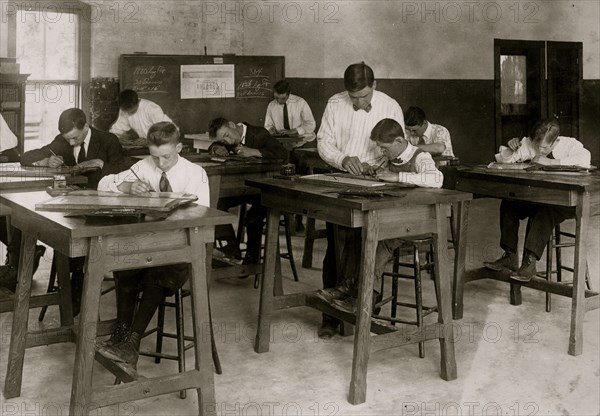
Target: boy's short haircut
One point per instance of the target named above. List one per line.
(215, 124)
(128, 99)
(70, 119)
(163, 132)
(386, 131)
(358, 76)
(545, 131)
(282, 87)
(414, 116)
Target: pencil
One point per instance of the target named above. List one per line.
(139, 179)
(54, 154)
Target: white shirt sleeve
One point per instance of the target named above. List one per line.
(427, 176)
(8, 140)
(326, 141)
(121, 126)
(570, 151)
(269, 122)
(308, 121)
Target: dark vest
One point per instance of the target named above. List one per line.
(405, 167)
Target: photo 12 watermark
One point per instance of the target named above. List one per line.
(470, 11)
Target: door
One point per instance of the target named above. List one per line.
(519, 87)
(534, 80)
(565, 74)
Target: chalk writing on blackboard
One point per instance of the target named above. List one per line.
(149, 78)
(254, 84)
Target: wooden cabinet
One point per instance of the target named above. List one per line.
(12, 104)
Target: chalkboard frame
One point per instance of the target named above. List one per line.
(193, 115)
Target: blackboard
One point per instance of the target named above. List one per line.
(158, 78)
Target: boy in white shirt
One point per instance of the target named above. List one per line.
(545, 146)
(407, 164)
(164, 171)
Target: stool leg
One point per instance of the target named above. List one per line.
(51, 287)
(288, 242)
(179, 328)
(557, 239)
(160, 330)
(395, 269)
(549, 271)
(418, 297)
(213, 344)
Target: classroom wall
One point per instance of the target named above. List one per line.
(436, 54)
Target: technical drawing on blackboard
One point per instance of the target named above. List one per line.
(150, 78)
(207, 81)
(255, 83)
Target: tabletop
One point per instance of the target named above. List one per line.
(328, 195)
(23, 206)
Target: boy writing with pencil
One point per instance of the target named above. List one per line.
(407, 164)
(545, 146)
(163, 171)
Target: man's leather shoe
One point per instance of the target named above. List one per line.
(126, 351)
(527, 269)
(508, 261)
(8, 277)
(326, 331)
(118, 334)
(350, 304)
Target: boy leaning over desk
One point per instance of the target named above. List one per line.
(406, 163)
(544, 146)
(163, 171)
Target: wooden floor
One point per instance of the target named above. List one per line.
(511, 360)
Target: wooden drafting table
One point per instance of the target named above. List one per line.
(581, 191)
(422, 211)
(181, 238)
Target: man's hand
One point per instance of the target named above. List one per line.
(352, 164)
(54, 161)
(91, 164)
(543, 160)
(514, 143)
(247, 152)
(289, 132)
(387, 176)
(139, 188)
(218, 150)
(368, 169)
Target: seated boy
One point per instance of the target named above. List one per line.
(544, 146)
(165, 171)
(244, 140)
(406, 163)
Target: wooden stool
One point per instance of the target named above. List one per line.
(555, 244)
(415, 244)
(179, 335)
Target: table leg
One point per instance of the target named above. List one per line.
(444, 295)
(578, 304)
(263, 331)
(81, 390)
(201, 317)
(362, 341)
(461, 213)
(16, 351)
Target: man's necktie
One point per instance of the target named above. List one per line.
(164, 185)
(81, 155)
(286, 119)
(356, 108)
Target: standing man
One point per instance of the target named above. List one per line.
(344, 142)
(431, 138)
(289, 114)
(136, 114)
